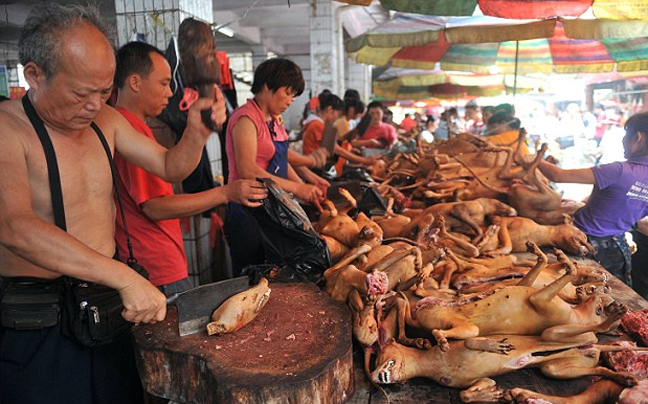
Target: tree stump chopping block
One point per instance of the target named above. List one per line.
(297, 350)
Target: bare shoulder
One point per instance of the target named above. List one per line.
(14, 125)
(110, 121)
(244, 125)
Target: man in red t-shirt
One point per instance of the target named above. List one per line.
(408, 123)
(379, 135)
(151, 208)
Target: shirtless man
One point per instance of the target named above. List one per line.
(69, 64)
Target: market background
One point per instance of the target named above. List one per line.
(326, 39)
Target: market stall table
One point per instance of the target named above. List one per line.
(297, 350)
(423, 391)
(259, 364)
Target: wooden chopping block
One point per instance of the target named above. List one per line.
(297, 350)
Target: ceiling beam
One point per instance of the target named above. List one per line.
(275, 16)
(251, 35)
(220, 5)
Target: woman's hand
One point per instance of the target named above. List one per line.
(308, 193)
(246, 192)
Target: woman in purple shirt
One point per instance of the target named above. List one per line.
(618, 201)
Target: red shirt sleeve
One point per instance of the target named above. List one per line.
(391, 135)
(140, 184)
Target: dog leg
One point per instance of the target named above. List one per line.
(542, 297)
(531, 276)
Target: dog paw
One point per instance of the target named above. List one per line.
(616, 310)
(441, 340)
(626, 379)
(490, 394)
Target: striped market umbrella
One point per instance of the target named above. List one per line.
(403, 84)
(557, 54)
(519, 9)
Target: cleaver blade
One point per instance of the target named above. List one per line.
(195, 306)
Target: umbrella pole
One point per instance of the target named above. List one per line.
(517, 50)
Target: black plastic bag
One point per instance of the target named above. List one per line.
(288, 235)
(369, 201)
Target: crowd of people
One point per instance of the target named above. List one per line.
(70, 65)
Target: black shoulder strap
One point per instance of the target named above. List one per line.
(52, 164)
(113, 169)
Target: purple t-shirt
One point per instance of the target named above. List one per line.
(619, 198)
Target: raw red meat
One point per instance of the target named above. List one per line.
(628, 361)
(635, 395)
(635, 323)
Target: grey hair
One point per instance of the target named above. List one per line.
(40, 41)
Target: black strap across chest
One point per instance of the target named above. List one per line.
(54, 174)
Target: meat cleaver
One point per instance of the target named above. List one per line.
(329, 139)
(195, 306)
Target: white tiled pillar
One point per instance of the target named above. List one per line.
(358, 77)
(324, 51)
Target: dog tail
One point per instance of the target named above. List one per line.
(486, 185)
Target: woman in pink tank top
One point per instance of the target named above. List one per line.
(257, 147)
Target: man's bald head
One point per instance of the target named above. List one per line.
(40, 37)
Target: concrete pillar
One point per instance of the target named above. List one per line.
(324, 52)
(259, 55)
(358, 77)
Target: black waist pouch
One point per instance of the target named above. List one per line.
(93, 312)
(29, 304)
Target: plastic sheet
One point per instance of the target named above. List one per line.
(288, 235)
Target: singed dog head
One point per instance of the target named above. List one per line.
(588, 289)
(368, 235)
(600, 306)
(570, 239)
(495, 207)
(392, 367)
(365, 327)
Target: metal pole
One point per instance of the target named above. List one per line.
(517, 50)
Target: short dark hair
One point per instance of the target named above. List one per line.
(325, 93)
(357, 105)
(276, 73)
(351, 94)
(360, 107)
(504, 117)
(506, 107)
(40, 41)
(637, 123)
(374, 104)
(330, 100)
(134, 58)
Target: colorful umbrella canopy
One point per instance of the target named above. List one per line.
(415, 29)
(519, 9)
(558, 54)
(401, 84)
